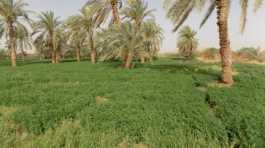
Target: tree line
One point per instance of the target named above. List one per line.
(115, 29)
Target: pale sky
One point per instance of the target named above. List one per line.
(254, 34)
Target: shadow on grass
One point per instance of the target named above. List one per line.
(185, 67)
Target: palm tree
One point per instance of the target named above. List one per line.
(137, 11)
(60, 40)
(24, 40)
(76, 36)
(123, 39)
(179, 10)
(45, 30)
(187, 42)
(12, 14)
(89, 21)
(153, 37)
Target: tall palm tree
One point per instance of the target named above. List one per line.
(12, 14)
(137, 11)
(45, 31)
(179, 10)
(89, 21)
(187, 42)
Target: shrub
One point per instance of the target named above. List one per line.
(210, 54)
(187, 42)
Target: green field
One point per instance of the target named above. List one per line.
(167, 104)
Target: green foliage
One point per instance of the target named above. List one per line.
(210, 53)
(187, 42)
(166, 104)
(251, 53)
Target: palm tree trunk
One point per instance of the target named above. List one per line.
(57, 56)
(225, 51)
(78, 57)
(115, 12)
(53, 56)
(142, 58)
(12, 44)
(93, 53)
(128, 63)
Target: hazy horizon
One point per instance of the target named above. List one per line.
(207, 36)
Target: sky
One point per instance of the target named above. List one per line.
(254, 34)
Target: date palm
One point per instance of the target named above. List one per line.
(89, 21)
(45, 31)
(76, 36)
(24, 40)
(126, 39)
(137, 11)
(123, 39)
(12, 14)
(179, 10)
(187, 42)
(152, 41)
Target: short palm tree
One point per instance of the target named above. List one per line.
(60, 39)
(12, 14)
(187, 42)
(179, 10)
(24, 40)
(153, 37)
(77, 37)
(45, 31)
(123, 39)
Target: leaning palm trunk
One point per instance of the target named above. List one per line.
(128, 62)
(57, 56)
(78, 55)
(225, 51)
(142, 59)
(53, 56)
(93, 53)
(12, 44)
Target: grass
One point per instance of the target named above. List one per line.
(170, 103)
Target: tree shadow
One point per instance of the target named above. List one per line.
(186, 68)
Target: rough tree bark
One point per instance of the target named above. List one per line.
(142, 59)
(78, 55)
(12, 44)
(225, 50)
(93, 53)
(128, 63)
(57, 56)
(53, 56)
